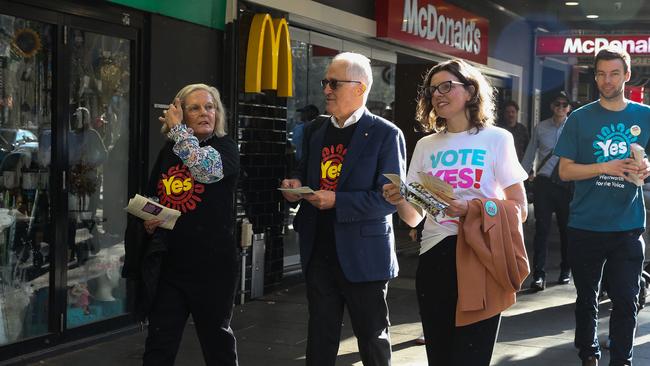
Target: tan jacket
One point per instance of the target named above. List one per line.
(491, 259)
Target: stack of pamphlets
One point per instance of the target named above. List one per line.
(432, 194)
(147, 209)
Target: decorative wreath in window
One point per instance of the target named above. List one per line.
(26, 42)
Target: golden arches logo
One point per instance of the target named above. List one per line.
(268, 58)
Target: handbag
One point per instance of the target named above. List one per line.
(555, 174)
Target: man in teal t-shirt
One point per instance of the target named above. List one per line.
(607, 211)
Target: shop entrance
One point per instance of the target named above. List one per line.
(66, 97)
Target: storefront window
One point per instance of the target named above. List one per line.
(25, 129)
(98, 161)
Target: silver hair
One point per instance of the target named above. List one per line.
(220, 115)
(358, 68)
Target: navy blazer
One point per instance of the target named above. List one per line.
(365, 243)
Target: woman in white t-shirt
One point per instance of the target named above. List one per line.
(479, 161)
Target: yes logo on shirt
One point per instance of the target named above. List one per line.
(612, 143)
(330, 166)
(462, 168)
(177, 189)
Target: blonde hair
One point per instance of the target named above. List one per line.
(480, 108)
(220, 114)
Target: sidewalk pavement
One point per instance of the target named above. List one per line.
(271, 331)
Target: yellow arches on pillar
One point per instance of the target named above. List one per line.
(268, 58)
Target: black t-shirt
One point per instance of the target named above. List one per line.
(204, 230)
(335, 147)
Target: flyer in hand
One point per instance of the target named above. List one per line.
(299, 190)
(432, 194)
(147, 209)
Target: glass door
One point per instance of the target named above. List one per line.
(98, 147)
(26, 51)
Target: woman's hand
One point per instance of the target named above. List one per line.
(172, 116)
(457, 208)
(151, 225)
(392, 194)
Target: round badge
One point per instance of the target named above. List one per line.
(491, 208)
(635, 130)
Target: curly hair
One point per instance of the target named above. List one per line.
(480, 109)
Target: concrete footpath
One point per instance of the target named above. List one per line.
(537, 331)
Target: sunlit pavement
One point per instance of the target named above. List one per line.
(538, 330)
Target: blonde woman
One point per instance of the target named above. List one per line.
(191, 269)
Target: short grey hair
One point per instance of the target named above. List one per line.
(220, 114)
(358, 68)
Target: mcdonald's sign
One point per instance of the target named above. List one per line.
(268, 58)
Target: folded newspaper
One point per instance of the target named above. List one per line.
(638, 154)
(147, 209)
(432, 194)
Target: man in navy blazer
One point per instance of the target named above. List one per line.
(347, 245)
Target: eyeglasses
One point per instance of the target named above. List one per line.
(442, 88)
(196, 109)
(333, 83)
(560, 104)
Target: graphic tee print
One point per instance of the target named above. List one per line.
(177, 189)
(593, 134)
(331, 164)
(476, 165)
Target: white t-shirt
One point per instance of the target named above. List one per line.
(476, 165)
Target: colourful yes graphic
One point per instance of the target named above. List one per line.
(462, 177)
(331, 165)
(178, 190)
(613, 142)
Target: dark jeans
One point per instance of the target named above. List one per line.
(549, 198)
(437, 291)
(327, 292)
(210, 301)
(623, 252)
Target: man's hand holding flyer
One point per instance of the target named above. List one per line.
(147, 209)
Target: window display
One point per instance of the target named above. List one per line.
(98, 161)
(25, 125)
(98, 142)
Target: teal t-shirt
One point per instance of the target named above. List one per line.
(593, 134)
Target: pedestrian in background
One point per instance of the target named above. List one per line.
(510, 121)
(551, 195)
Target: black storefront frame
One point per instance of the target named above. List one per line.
(107, 20)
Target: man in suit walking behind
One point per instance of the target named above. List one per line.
(347, 246)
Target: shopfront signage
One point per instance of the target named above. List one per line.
(268, 58)
(635, 45)
(434, 25)
(210, 13)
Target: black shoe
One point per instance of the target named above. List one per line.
(538, 284)
(590, 361)
(564, 279)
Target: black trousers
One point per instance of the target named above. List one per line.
(210, 301)
(327, 292)
(623, 252)
(437, 290)
(549, 198)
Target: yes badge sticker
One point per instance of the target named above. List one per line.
(491, 208)
(635, 130)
